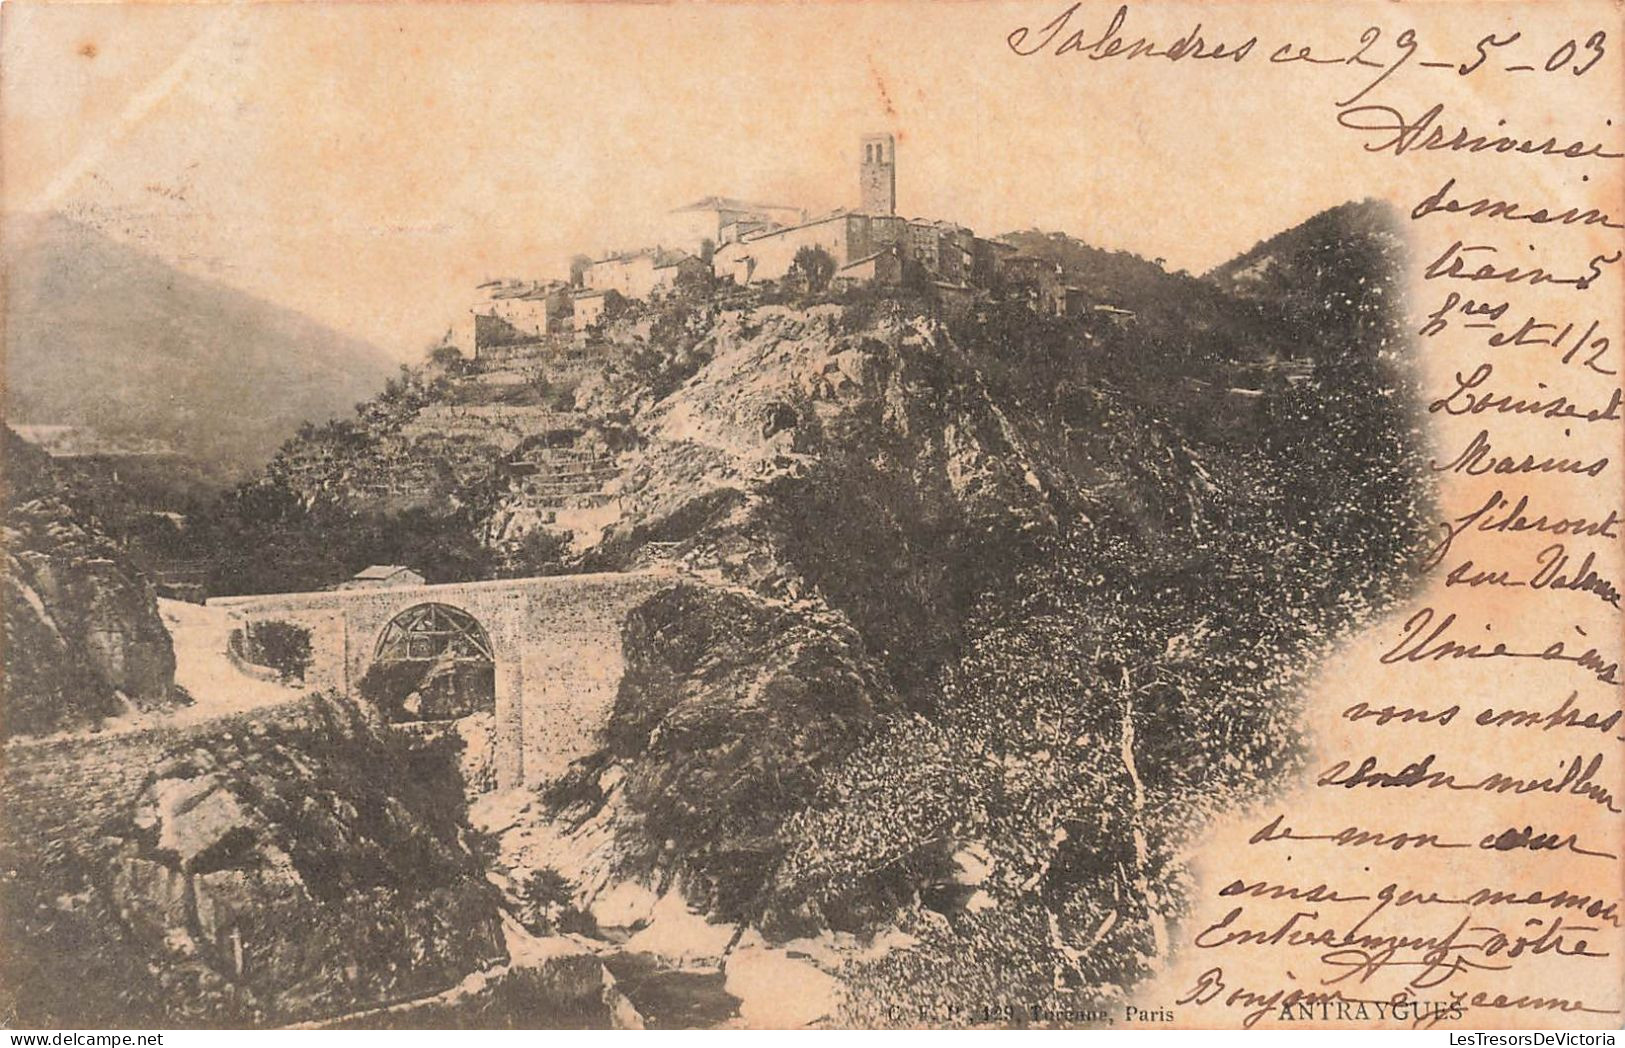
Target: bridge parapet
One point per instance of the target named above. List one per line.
(556, 642)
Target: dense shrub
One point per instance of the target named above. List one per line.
(538, 552)
(812, 269)
(547, 906)
(281, 646)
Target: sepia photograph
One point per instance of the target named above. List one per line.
(987, 516)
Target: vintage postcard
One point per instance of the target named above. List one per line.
(992, 515)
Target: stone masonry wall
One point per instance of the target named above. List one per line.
(557, 642)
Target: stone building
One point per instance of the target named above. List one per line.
(1042, 281)
(924, 245)
(383, 576)
(641, 274)
(724, 219)
(987, 260)
(877, 175)
(510, 313)
(847, 237)
(943, 250)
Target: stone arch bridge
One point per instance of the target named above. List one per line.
(555, 643)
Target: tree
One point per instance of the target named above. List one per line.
(615, 304)
(813, 268)
(282, 646)
(447, 358)
(708, 250)
(546, 903)
(539, 552)
(694, 282)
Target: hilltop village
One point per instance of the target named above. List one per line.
(744, 244)
(508, 412)
(507, 449)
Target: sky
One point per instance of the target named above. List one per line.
(369, 164)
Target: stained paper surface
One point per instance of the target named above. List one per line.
(990, 514)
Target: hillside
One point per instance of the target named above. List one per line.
(103, 335)
(982, 612)
(1084, 573)
(1303, 273)
(1185, 319)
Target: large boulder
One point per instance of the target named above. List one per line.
(290, 866)
(731, 706)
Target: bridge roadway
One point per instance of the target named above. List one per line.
(556, 643)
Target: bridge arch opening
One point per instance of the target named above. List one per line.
(431, 662)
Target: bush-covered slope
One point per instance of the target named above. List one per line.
(1092, 583)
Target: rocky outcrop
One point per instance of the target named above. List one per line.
(553, 983)
(730, 707)
(850, 458)
(1007, 583)
(296, 863)
(83, 637)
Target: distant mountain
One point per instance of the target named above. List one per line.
(101, 334)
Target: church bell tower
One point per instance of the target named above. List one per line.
(877, 175)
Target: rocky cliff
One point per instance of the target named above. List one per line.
(1024, 597)
(291, 864)
(221, 376)
(986, 610)
(83, 639)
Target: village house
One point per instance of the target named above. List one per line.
(724, 219)
(641, 274)
(883, 268)
(509, 313)
(382, 576)
(1042, 281)
(589, 309)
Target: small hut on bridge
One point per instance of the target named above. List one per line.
(383, 576)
